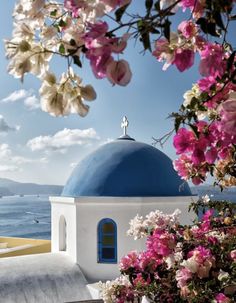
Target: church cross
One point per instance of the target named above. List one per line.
(124, 125)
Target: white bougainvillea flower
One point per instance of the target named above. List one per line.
(189, 94)
(39, 59)
(50, 78)
(167, 3)
(53, 101)
(47, 34)
(55, 104)
(20, 65)
(12, 47)
(78, 107)
(23, 31)
(88, 93)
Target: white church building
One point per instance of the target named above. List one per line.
(90, 219)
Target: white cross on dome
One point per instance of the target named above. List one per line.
(124, 125)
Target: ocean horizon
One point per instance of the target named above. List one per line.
(26, 216)
(29, 216)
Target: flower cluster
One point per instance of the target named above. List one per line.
(43, 29)
(192, 264)
(94, 30)
(208, 145)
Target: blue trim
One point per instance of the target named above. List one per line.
(100, 246)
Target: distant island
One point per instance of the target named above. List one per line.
(9, 188)
(228, 194)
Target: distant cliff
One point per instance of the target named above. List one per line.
(9, 187)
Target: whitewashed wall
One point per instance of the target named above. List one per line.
(83, 215)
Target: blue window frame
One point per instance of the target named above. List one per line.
(107, 241)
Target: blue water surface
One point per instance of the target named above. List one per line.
(26, 217)
(30, 216)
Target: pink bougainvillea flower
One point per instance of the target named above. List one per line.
(161, 243)
(211, 155)
(196, 6)
(233, 254)
(96, 30)
(198, 156)
(188, 29)
(208, 215)
(228, 114)
(197, 180)
(221, 298)
(163, 51)
(187, 3)
(99, 64)
(206, 83)
(183, 166)
(119, 44)
(149, 261)
(184, 59)
(118, 72)
(130, 260)
(212, 63)
(183, 140)
(74, 6)
(182, 276)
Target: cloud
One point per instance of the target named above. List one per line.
(4, 151)
(11, 161)
(43, 160)
(30, 99)
(32, 102)
(73, 165)
(16, 95)
(63, 139)
(5, 128)
(8, 168)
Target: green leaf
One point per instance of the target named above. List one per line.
(157, 6)
(145, 38)
(77, 61)
(177, 123)
(72, 42)
(54, 13)
(218, 20)
(211, 29)
(144, 33)
(148, 4)
(62, 48)
(153, 30)
(120, 12)
(167, 29)
(195, 130)
(230, 61)
(62, 23)
(232, 17)
(203, 24)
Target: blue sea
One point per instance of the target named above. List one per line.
(26, 217)
(30, 216)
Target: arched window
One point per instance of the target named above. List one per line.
(107, 241)
(62, 234)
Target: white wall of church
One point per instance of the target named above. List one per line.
(69, 236)
(90, 210)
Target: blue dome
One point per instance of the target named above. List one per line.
(125, 168)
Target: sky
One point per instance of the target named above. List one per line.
(37, 147)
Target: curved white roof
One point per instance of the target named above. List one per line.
(44, 278)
